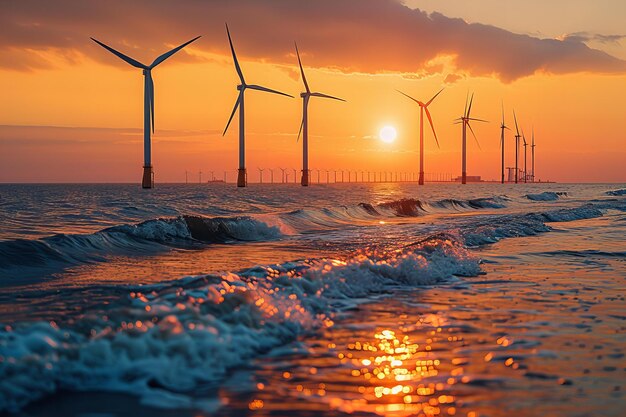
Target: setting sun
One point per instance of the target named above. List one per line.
(388, 134)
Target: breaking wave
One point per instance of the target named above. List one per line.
(166, 342)
(169, 342)
(619, 192)
(546, 196)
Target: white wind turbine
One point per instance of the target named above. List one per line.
(517, 138)
(304, 126)
(465, 120)
(241, 177)
(502, 127)
(525, 159)
(424, 108)
(148, 104)
(532, 154)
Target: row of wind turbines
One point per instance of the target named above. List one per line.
(148, 173)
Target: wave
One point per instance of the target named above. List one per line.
(147, 237)
(170, 340)
(546, 196)
(414, 207)
(619, 192)
(17, 257)
(167, 342)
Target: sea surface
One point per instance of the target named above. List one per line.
(337, 299)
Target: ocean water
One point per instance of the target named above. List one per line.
(361, 299)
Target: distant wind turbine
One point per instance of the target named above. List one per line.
(502, 127)
(517, 137)
(532, 153)
(148, 104)
(241, 176)
(525, 153)
(423, 108)
(304, 126)
(465, 120)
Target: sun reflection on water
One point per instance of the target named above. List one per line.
(393, 369)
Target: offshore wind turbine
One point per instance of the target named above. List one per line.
(423, 108)
(502, 127)
(465, 120)
(241, 172)
(525, 144)
(532, 154)
(148, 104)
(517, 137)
(304, 126)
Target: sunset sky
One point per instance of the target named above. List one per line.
(72, 112)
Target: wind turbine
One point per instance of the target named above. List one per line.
(423, 108)
(532, 153)
(148, 104)
(517, 137)
(502, 126)
(465, 120)
(304, 126)
(261, 174)
(525, 144)
(241, 176)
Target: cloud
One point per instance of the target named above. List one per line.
(452, 78)
(370, 36)
(584, 37)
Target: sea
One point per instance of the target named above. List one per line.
(361, 299)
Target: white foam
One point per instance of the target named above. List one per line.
(175, 338)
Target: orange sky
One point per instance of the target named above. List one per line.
(71, 111)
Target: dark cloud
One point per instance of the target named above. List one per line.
(349, 35)
(592, 37)
(452, 78)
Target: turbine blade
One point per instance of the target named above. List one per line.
(434, 97)
(430, 120)
(469, 109)
(515, 118)
(477, 120)
(326, 96)
(473, 134)
(230, 119)
(151, 98)
(300, 131)
(503, 113)
(232, 50)
(306, 85)
(406, 95)
(128, 59)
(170, 53)
(267, 90)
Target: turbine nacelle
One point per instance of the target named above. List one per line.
(307, 94)
(243, 86)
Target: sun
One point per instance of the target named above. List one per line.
(388, 134)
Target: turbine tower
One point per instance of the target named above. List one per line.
(423, 108)
(304, 126)
(148, 104)
(525, 153)
(465, 120)
(241, 172)
(532, 154)
(517, 137)
(502, 127)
